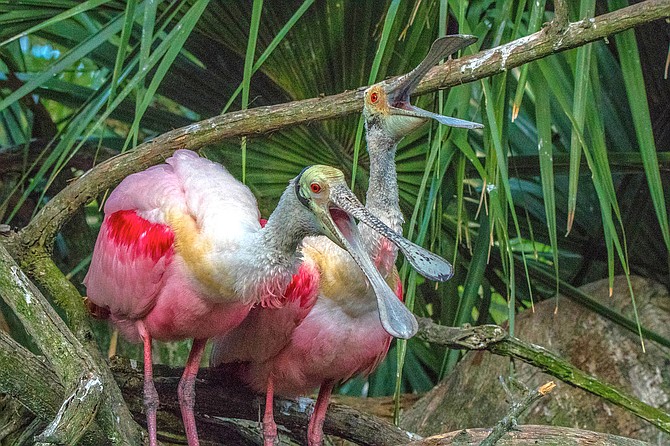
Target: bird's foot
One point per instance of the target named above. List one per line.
(315, 438)
(270, 437)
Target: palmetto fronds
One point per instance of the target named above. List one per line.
(568, 143)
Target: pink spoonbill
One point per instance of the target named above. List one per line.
(333, 325)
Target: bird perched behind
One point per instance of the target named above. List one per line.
(319, 340)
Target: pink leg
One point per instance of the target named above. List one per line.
(150, 394)
(186, 390)
(269, 427)
(315, 428)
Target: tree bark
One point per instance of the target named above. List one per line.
(30, 380)
(531, 436)
(77, 371)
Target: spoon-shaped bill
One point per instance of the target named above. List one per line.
(425, 262)
(396, 319)
(440, 49)
(323, 190)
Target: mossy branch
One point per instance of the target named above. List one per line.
(75, 367)
(28, 378)
(220, 400)
(76, 413)
(541, 358)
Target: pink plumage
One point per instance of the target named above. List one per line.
(306, 342)
(340, 334)
(181, 254)
(140, 279)
(137, 275)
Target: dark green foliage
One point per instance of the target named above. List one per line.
(99, 101)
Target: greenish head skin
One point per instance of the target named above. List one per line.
(323, 190)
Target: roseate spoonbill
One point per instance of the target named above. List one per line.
(329, 331)
(181, 254)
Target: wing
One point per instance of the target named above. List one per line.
(129, 262)
(225, 209)
(135, 245)
(188, 199)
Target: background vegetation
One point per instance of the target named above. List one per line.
(562, 187)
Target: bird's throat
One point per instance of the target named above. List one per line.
(382, 198)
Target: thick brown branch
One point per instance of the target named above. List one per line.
(266, 119)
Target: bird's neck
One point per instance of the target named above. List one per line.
(382, 197)
(270, 257)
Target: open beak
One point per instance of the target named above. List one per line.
(416, 112)
(339, 223)
(399, 90)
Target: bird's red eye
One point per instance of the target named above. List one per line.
(374, 97)
(316, 187)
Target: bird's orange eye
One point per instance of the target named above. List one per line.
(315, 187)
(374, 97)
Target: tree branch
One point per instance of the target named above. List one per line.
(75, 368)
(530, 435)
(543, 359)
(28, 378)
(76, 413)
(561, 14)
(221, 396)
(508, 422)
(32, 381)
(261, 120)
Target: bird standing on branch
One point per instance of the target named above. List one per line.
(330, 329)
(181, 254)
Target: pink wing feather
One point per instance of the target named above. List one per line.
(133, 272)
(127, 269)
(135, 246)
